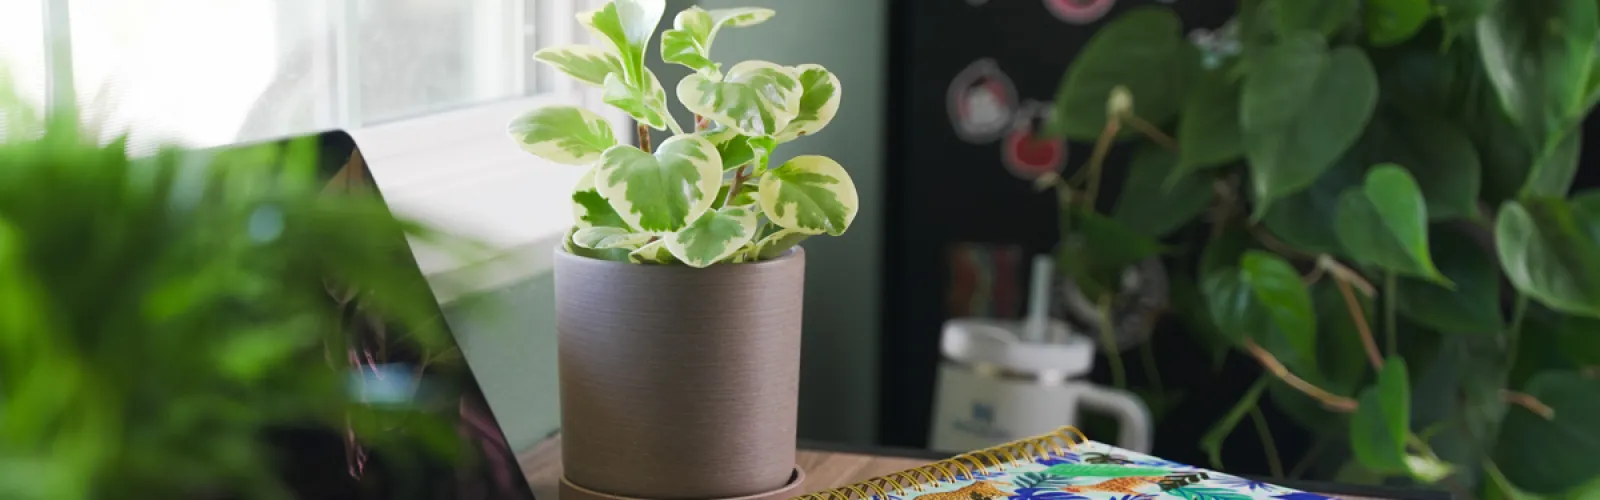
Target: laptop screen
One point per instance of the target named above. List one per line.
(323, 464)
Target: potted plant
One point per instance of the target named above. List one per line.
(1376, 201)
(679, 287)
(187, 325)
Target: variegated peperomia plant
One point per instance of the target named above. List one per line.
(707, 195)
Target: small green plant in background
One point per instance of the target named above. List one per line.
(1374, 198)
(703, 196)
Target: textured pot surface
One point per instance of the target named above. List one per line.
(679, 382)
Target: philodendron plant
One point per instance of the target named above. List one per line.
(704, 196)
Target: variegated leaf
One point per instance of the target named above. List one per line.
(756, 98)
(648, 106)
(774, 245)
(714, 236)
(628, 24)
(661, 193)
(747, 196)
(613, 254)
(654, 253)
(589, 209)
(819, 102)
(689, 41)
(810, 194)
(567, 135)
(602, 238)
(587, 63)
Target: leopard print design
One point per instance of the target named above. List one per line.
(1124, 485)
(980, 489)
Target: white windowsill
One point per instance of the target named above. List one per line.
(459, 172)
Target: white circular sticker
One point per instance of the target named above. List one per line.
(1079, 11)
(981, 102)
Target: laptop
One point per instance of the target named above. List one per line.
(324, 464)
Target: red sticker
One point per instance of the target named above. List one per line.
(1026, 152)
(1079, 11)
(981, 102)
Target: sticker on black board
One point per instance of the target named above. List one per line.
(984, 281)
(1026, 152)
(1079, 11)
(982, 100)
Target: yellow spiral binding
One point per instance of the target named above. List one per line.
(947, 471)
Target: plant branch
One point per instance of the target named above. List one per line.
(1155, 134)
(1313, 277)
(1276, 368)
(1309, 458)
(1360, 319)
(1526, 400)
(1344, 273)
(1519, 312)
(1277, 246)
(644, 138)
(1097, 161)
(739, 179)
(1108, 341)
(1268, 445)
(1390, 301)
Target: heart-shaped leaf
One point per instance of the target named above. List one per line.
(568, 135)
(661, 193)
(1142, 50)
(1101, 250)
(586, 63)
(1148, 207)
(1386, 224)
(1437, 153)
(605, 238)
(695, 29)
(1324, 17)
(755, 98)
(735, 151)
(628, 25)
(1308, 220)
(1391, 22)
(1208, 128)
(1550, 250)
(819, 102)
(1553, 173)
(648, 106)
(654, 253)
(589, 209)
(748, 195)
(1473, 306)
(1379, 428)
(1233, 306)
(1553, 456)
(810, 194)
(716, 235)
(1539, 55)
(1302, 107)
(1284, 297)
(780, 241)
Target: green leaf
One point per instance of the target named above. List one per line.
(1549, 250)
(1302, 107)
(1386, 224)
(1143, 50)
(663, 192)
(648, 106)
(1461, 16)
(1552, 456)
(1437, 153)
(761, 148)
(756, 98)
(1578, 340)
(1539, 56)
(1379, 428)
(586, 63)
(589, 209)
(613, 254)
(1324, 16)
(1553, 173)
(1473, 306)
(1456, 398)
(1208, 127)
(1307, 220)
(810, 194)
(819, 102)
(735, 151)
(714, 236)
(747, 195)
(1104, 470)
(1214, 437)
(1392, 22)
(1223, 252)
(1233, 306)
(1101, 250)
(628, 25)
(568, 135)
(694, 30)
(1341, 356)
(605, 238)
(776, 244)
(654, 253)
(1281, 293)
(1152, 209)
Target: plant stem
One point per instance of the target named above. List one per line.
(1360, 319)
(1519, 312)
(1268, 445)
(1526, 400)
(1155, 134)
(1152, 371)
(1212, 441)
(644, 138)
(1097, 161)
(738, 184)
(1309, 458)
(1389, 304)
(1108, 341)
(1276, 368)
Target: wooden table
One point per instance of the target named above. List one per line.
(829, 467)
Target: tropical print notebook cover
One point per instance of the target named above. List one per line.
(1088, 471)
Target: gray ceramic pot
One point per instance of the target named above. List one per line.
(679, 382)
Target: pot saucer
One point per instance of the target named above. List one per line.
(571, 491)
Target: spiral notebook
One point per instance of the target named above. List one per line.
(1063, 465)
